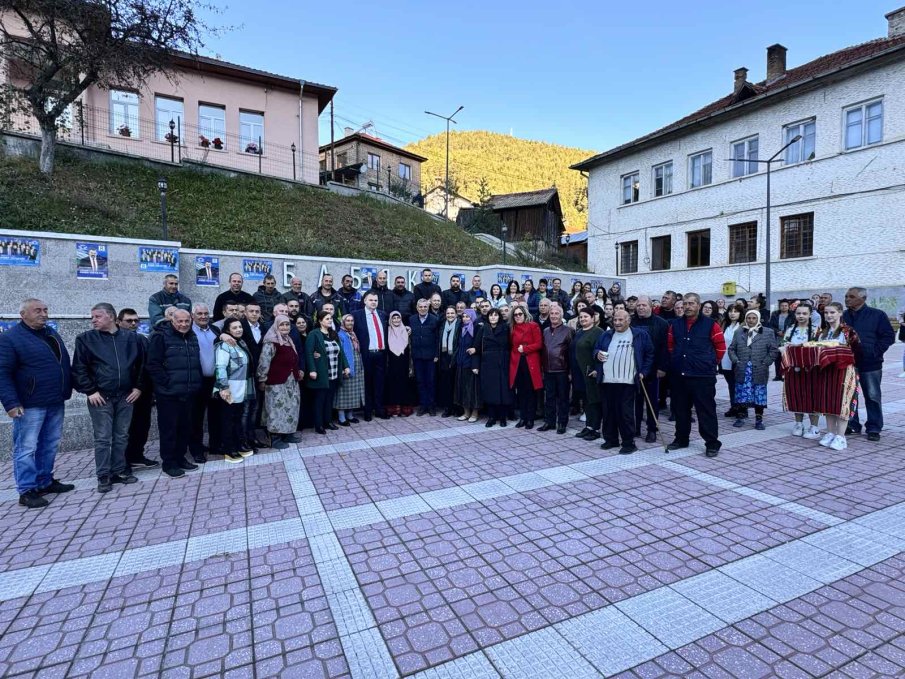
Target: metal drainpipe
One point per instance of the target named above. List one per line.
(301, 130)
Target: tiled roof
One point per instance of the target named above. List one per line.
(508, 201)
(821, 66)
(374, 141)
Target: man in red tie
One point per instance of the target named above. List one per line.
(371, 330)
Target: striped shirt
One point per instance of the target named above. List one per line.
(619, 367)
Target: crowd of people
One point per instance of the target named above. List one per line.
(260, 368)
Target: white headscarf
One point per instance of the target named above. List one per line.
(751, 332)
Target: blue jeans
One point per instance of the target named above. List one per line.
(870, 392)
(36, 440)
(111, 435)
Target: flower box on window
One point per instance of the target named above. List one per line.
(203, 141)
(218, 143)
(251, 147)
(124, 131)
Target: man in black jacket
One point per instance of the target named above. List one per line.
(325, 293)
(657, 328)
(295, 292)
(426, 288)
(174, 362)
(403, 300)
(455, 293)
(384, 294)
(266, 296)
(140, 425)
(108, 366)
(235, 294)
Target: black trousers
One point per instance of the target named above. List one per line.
(699, 392)
(204, 404)
(556, 399)
(593, 413)
(174, 419)
(446, 383)
(525, 395)
(323, 404)
(139, 427)
(652, 384)
(619, 400)
(375, 367)
(497, 412)
(233, 428)
(664, 392)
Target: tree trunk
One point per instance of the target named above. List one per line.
(48, 149)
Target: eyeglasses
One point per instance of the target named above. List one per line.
(518, 313)
(130, 320)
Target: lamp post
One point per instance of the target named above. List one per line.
(448, 119)
(172, 141)
(162, 187)
(769, 163)
(504, 230)
(292, 148)
(616, 245)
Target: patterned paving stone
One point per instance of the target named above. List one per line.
(546, 654)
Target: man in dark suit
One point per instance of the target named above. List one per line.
(371, 330)
(207, 272)
(93, 262)
(425, 344)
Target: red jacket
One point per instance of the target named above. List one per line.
(527, 334)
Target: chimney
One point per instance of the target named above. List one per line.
(896, 19)
(348, 131)
(776, 62)
(741, 77)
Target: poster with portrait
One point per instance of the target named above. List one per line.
(160, 260)
(367, 274)
(256, 269)
(207, 270)
(461, 277)
(91, 260)
(9, 325)
(503, 277)
(16, 251)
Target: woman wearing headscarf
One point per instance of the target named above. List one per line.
(278, 374)
(752, 352)
(450, 330)
(525, 376)
(326, 364)
(491, 357)
(398, 392)
(468, 385)
(351, 393)
(615, 293)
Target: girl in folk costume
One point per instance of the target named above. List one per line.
(351, 393)
(399, 390)
(752, 352)
(279, 375)
(468, 384)
(837, 331)
(803, 330)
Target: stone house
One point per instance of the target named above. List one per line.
(368, 162)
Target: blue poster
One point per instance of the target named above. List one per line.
(8, 325)
(207, 270)
(19, 251)
(161, 260)
(461, 279)
(91, 260)
(367, 274)
(256, 269)
(144, 328)
(503, 277)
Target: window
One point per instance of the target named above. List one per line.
(700, 169)
(663, 179)
(743, 243)
(405, 171)
(631, 188)
(803, 149)
(124, 113)
(251, 132)
(212, 123)
(342, 159)
(745, 150)
(864, 125)
(661, 249)
(374, 162)
(165, 110)
(323, 164)
(699, 248)
(628, 257)
(797, 236)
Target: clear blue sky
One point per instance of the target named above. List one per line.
(587, 74)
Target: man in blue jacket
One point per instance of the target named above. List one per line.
(425, 353)
(34, 387)
(625, 356)
(876, 335)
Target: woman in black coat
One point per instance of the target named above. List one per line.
(491, 357)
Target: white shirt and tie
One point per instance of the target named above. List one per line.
(376, 340)
(256, 332)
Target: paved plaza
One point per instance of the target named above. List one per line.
(434, 548)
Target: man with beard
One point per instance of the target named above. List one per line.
(455, 294)
(295, 292)
(349, 296)
(403, 300)
(325, 293)
(234, 294)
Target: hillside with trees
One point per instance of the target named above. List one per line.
(508, 165)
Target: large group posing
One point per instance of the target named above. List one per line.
(260, 368)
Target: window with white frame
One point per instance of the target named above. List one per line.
(124, 113)
(631, 188)
(700, 169)
(743, 152)
(405, 171)
(663, 179)
(803, 149)
(628, 257)
(251, 132)
(212, 125)
(374, 162)
(864, 125)
(165, 110)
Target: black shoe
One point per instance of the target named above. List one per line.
(759, 425)
(561, 430)
(711, 452)
(431, 412)
(332, 427)
(628, 449)
(447, 413)
(199, 459)
(368, 418)
(188, 466)
(279, 443)
(676, 445)
(850, 430)
(504, 423)
(293, 438)
(345, 423)
(581, 434)
(351, 420)
(608, 445)
(592, 435)
(520, 424)
(421, 411)
(144, 463)
(778, 378)
(383, 416)
(732, 412)
(56, 487)
(545, 427)
(320, 430)
(261, 443)
(126, 479)
(873, 436)
(651, 437)
(32, 500)
(489, 423)
(104, 484)
(173, 472)
(529, 424)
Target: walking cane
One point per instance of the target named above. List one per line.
(654, 414)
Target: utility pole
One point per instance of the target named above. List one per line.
(332, 146)
(448, 119)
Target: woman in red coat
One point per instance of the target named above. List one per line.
(524, 364)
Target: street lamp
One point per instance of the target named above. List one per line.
(448, 119)
(292, 148)
(162, 187)
(504, 230)
(769, 163)
(616, 245)
(172, 139)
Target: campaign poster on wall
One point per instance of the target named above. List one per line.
(161, 260)
(367, 274)
(256, 269)
(207, 270)
(461, 277)
(91, 260)
(9, 325)
(19, 251)
(503, 277)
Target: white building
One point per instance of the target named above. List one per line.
(672, 212)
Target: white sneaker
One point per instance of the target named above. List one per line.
(839, 443)
(798, 429)
(812, 433)
(583, 418)
(827, 439)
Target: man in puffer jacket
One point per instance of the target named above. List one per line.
(268, 295)
(159, 302)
